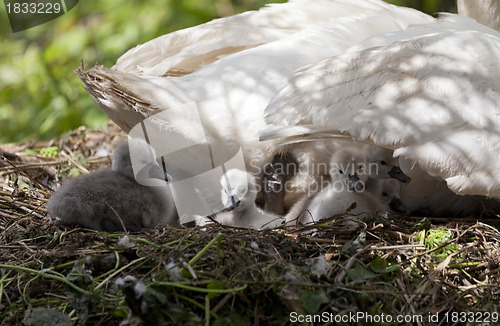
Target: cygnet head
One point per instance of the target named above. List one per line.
(239, 189)
(389, 196)
(139, 155)
(348, 166)
(381, 164)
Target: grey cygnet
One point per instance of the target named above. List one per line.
(102, 200)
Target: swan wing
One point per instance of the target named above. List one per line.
(232, 92)
(185, 51)
(434, 98)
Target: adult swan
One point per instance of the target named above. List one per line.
(430, 92)
(230, 68)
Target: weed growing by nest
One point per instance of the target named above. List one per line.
(217, 275)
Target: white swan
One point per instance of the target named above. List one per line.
(430, 92)
(111, 199)
(238, 194)
(232, 66)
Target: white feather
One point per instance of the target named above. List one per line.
(434, 97)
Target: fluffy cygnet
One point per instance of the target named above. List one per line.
(238, 194)
(381, 164)
(348, 169)
(330, 201)
(112, 199)
(387, 191)
(349, 175)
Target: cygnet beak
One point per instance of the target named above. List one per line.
(352, 181)
(397, 206)
(398, 174)
(232, 203)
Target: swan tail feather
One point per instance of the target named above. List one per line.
(126, 98)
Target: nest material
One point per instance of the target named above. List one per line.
(221, 275)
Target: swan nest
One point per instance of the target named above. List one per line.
(404, 266)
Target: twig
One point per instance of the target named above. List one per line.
(75, 163)
(27, 175)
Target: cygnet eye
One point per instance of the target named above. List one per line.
(384, 194)
(383, 162)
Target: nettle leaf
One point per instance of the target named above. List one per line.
(312, 301)
(359, 273)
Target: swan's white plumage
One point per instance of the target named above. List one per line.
(330, 202)
(434, 97)
(485, 12)
(232, 92)
(427, 195)
(190, 49)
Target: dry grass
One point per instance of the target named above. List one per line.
(220, 275)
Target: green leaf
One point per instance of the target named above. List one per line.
(84, 304)
(215, 285)
(312, 301)
(23, 185)
(359, 273)
(436, 237)
(45, 316)
(75, 172)
(382, 266)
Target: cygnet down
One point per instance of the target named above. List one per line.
(348, 169)
(112, 200)
(348, 178)
(381, 164)
(238, 194)
(330, 202)
(388, 193)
